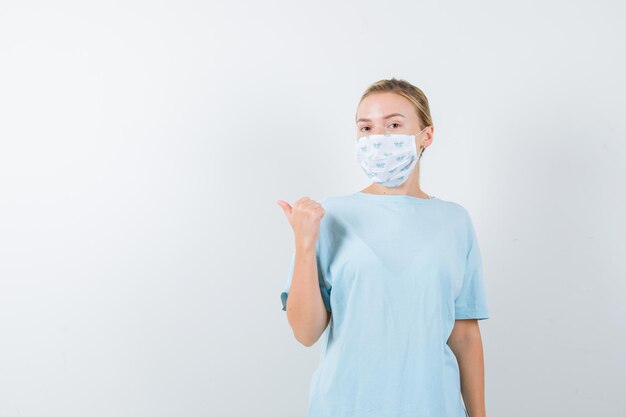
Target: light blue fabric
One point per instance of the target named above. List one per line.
(395, 271)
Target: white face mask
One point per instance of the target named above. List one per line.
(388, 158)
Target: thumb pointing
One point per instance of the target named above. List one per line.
(285, 206)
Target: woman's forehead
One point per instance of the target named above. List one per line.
(383, 106)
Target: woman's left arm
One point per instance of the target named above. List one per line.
(466, 343)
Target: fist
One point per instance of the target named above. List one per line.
(304, 218)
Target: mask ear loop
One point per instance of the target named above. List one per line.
(421, 151)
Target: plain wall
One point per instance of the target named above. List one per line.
(143, 146)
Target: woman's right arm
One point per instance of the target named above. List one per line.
(306, 312)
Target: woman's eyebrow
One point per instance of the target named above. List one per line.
(386, 117)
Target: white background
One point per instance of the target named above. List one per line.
(143, 146)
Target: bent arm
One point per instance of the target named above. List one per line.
(306, 312)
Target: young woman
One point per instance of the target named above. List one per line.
(392, 276)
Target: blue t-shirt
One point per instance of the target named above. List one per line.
(395, 271)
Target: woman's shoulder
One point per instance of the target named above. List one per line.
(337, 202)
(455, 207)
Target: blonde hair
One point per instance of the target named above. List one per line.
(408, 91)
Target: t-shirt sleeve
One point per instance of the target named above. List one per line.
(324, 288)
(471, 302)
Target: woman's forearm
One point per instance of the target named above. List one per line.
(305, 307)
(468, 350)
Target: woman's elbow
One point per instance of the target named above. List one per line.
(308, 332)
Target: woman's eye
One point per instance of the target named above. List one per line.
(395, 123)
(363, 128)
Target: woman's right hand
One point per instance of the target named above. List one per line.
(304, 217)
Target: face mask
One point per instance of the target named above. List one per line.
(387, 159)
